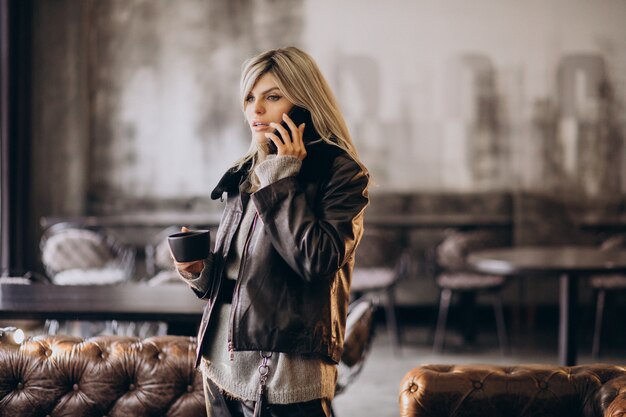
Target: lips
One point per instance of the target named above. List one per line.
(256, 125)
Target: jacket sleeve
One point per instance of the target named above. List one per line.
(200, 283)
(316, 238)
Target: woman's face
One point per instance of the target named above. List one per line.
(265, 104)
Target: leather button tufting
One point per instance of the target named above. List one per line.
(131, 387)
(161, 356)
(20, 385)
(543, 385)
(75, 387)
(413, 387)
(477, 385)
(189, 388)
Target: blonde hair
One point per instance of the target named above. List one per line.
(301, 81)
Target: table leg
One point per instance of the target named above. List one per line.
(568, 300)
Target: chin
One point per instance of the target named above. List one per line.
(260, 139)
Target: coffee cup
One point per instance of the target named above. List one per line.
(189, 246)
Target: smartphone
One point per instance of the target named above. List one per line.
(299, 115)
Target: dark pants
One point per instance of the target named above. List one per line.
(219, 405)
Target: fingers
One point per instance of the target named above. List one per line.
(292, 143)
(295, 132)
(277, 142)
(284, 134)
(194, 267)
(298, 143)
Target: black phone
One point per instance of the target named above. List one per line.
(298, 115)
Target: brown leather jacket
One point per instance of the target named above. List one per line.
(293, 287)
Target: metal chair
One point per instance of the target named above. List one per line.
(602, 284)
(454, 276)
(357, 342)
(380, 263)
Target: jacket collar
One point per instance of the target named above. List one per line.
(230, 180)
(317, 155)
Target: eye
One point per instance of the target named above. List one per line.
(274, 97)
(249, 99)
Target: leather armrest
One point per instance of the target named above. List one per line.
(612, 397)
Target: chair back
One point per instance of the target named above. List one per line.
(81, 249)
(378, 248)
(357, 341)
(452, 252)
(158, 255)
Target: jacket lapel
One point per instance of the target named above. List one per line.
(230, 180)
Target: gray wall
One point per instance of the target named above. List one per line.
(136, 102)
(439, 95)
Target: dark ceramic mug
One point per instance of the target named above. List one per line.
(193, 245)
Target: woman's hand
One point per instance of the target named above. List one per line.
(194, 267)
(291, 144)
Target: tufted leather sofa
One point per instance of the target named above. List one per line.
(529, 390)
(101, 376)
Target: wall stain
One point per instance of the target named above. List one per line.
(163, 87)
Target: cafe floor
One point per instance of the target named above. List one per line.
(375, 390)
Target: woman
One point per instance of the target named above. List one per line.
(278, 282)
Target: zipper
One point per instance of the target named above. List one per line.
(231, 330)
(231, 351)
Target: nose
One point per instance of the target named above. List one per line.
(258, 107)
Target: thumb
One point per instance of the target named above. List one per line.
(184, 229)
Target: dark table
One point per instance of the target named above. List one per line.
(173, 304)
(566, 262)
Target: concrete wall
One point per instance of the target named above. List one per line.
(439, 95)
(482, 94)
(166, 105)
(136, 102)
